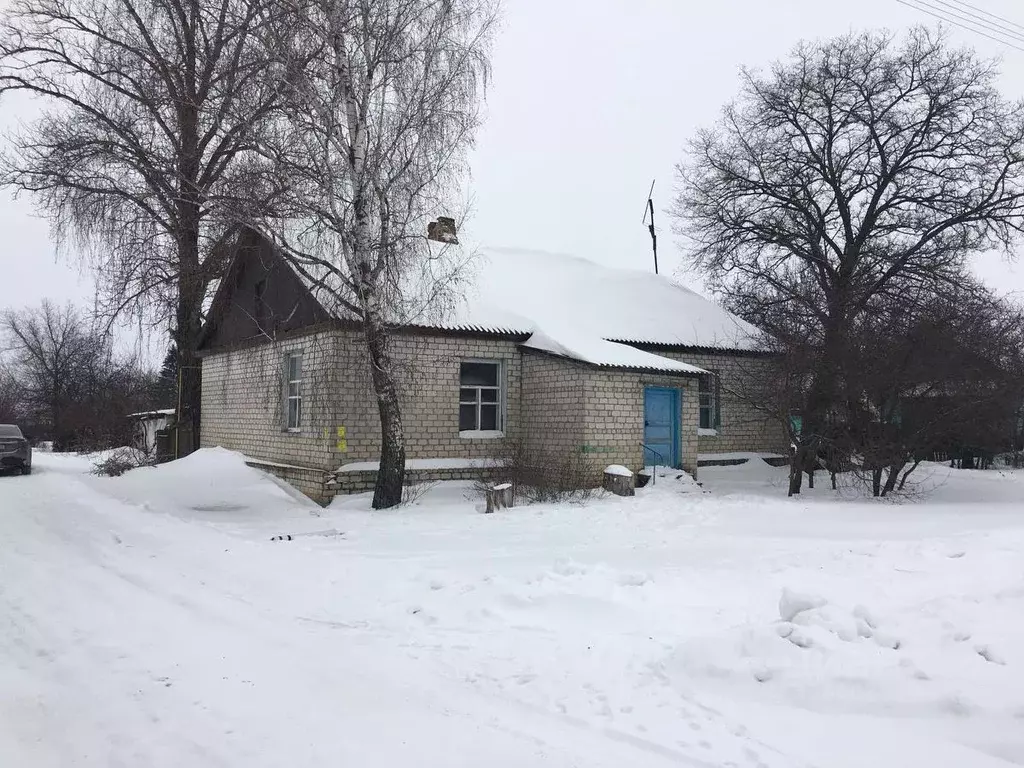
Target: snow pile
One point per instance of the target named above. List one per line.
(792, 604)
(618, 470)
(213, 485)
(808, 619)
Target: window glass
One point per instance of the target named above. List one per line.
(479, 375)
(710, 415)
(293, 390)
(489, 417)
(467, 417)
(480, 398)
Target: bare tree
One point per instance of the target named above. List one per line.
(71, 385)
(153, 106)
(11, 397)
(372, 146)
(942, 378)
(862, 167)
(54, 354)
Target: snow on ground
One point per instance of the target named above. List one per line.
(149, 620)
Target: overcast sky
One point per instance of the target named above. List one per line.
(590, 101)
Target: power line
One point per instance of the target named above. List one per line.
(980, 20)
(992, 15)
(940, 14)
(992, 31)
(965, 22)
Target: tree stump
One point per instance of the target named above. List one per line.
(499, 497)
(618, 480)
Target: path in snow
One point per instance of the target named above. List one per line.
(149, 620)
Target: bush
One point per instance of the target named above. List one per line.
(117, 462)
(539, 475)
(413, 491)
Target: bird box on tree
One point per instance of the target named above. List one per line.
(443, 230)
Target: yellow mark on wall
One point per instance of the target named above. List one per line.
(342, 442)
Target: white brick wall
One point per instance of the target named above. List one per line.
(243, 391)
(615, 416)
(242, 409)
(743, 427)
(551, 401)
(571, 406)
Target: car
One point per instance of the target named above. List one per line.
(15, 452)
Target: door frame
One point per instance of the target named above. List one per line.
(677, 413)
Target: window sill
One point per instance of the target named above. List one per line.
(292, 430)
(702, 432)
(481, 434)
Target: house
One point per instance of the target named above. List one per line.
(623, 366)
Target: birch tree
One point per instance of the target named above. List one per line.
(151, 107)
(372, 147)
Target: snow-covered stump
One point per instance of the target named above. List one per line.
(499, 497)
(618, 480)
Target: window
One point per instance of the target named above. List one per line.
(710, 401)
(293, 391)
(260, 305)
(480, 400)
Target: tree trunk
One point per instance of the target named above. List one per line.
(391, 474)
(796, 463)
(188, 324)
(192, 282)
(876, 482)
(820, 397)
(890, 480)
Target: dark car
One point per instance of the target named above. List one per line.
(15, 452)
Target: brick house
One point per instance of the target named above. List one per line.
(625, 367)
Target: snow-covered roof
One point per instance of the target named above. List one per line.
(578, 308)
(151, 414)
(579, 345)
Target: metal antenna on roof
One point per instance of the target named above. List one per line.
(649, 210)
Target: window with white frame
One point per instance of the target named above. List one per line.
(480, 397)
(710, 401)
(293, 391)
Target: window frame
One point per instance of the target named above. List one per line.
(288, 397)
(479, 402)
(714, 407)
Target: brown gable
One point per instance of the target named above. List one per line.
(260, 297)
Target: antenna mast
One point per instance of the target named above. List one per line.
(649, 211)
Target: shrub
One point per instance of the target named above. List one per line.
(542, 475)
(413, 491)
(119, 461)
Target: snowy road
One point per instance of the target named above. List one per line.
(149, 621)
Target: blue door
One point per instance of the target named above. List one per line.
(661, 426)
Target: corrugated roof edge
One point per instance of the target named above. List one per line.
(698, 348)
(611, 367)
(470, 328)
(639, 343)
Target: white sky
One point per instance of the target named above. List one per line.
(590, 101)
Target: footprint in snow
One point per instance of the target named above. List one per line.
(989, 655)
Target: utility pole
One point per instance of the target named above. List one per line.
(649, 211)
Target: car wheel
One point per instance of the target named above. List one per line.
(26, 470)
